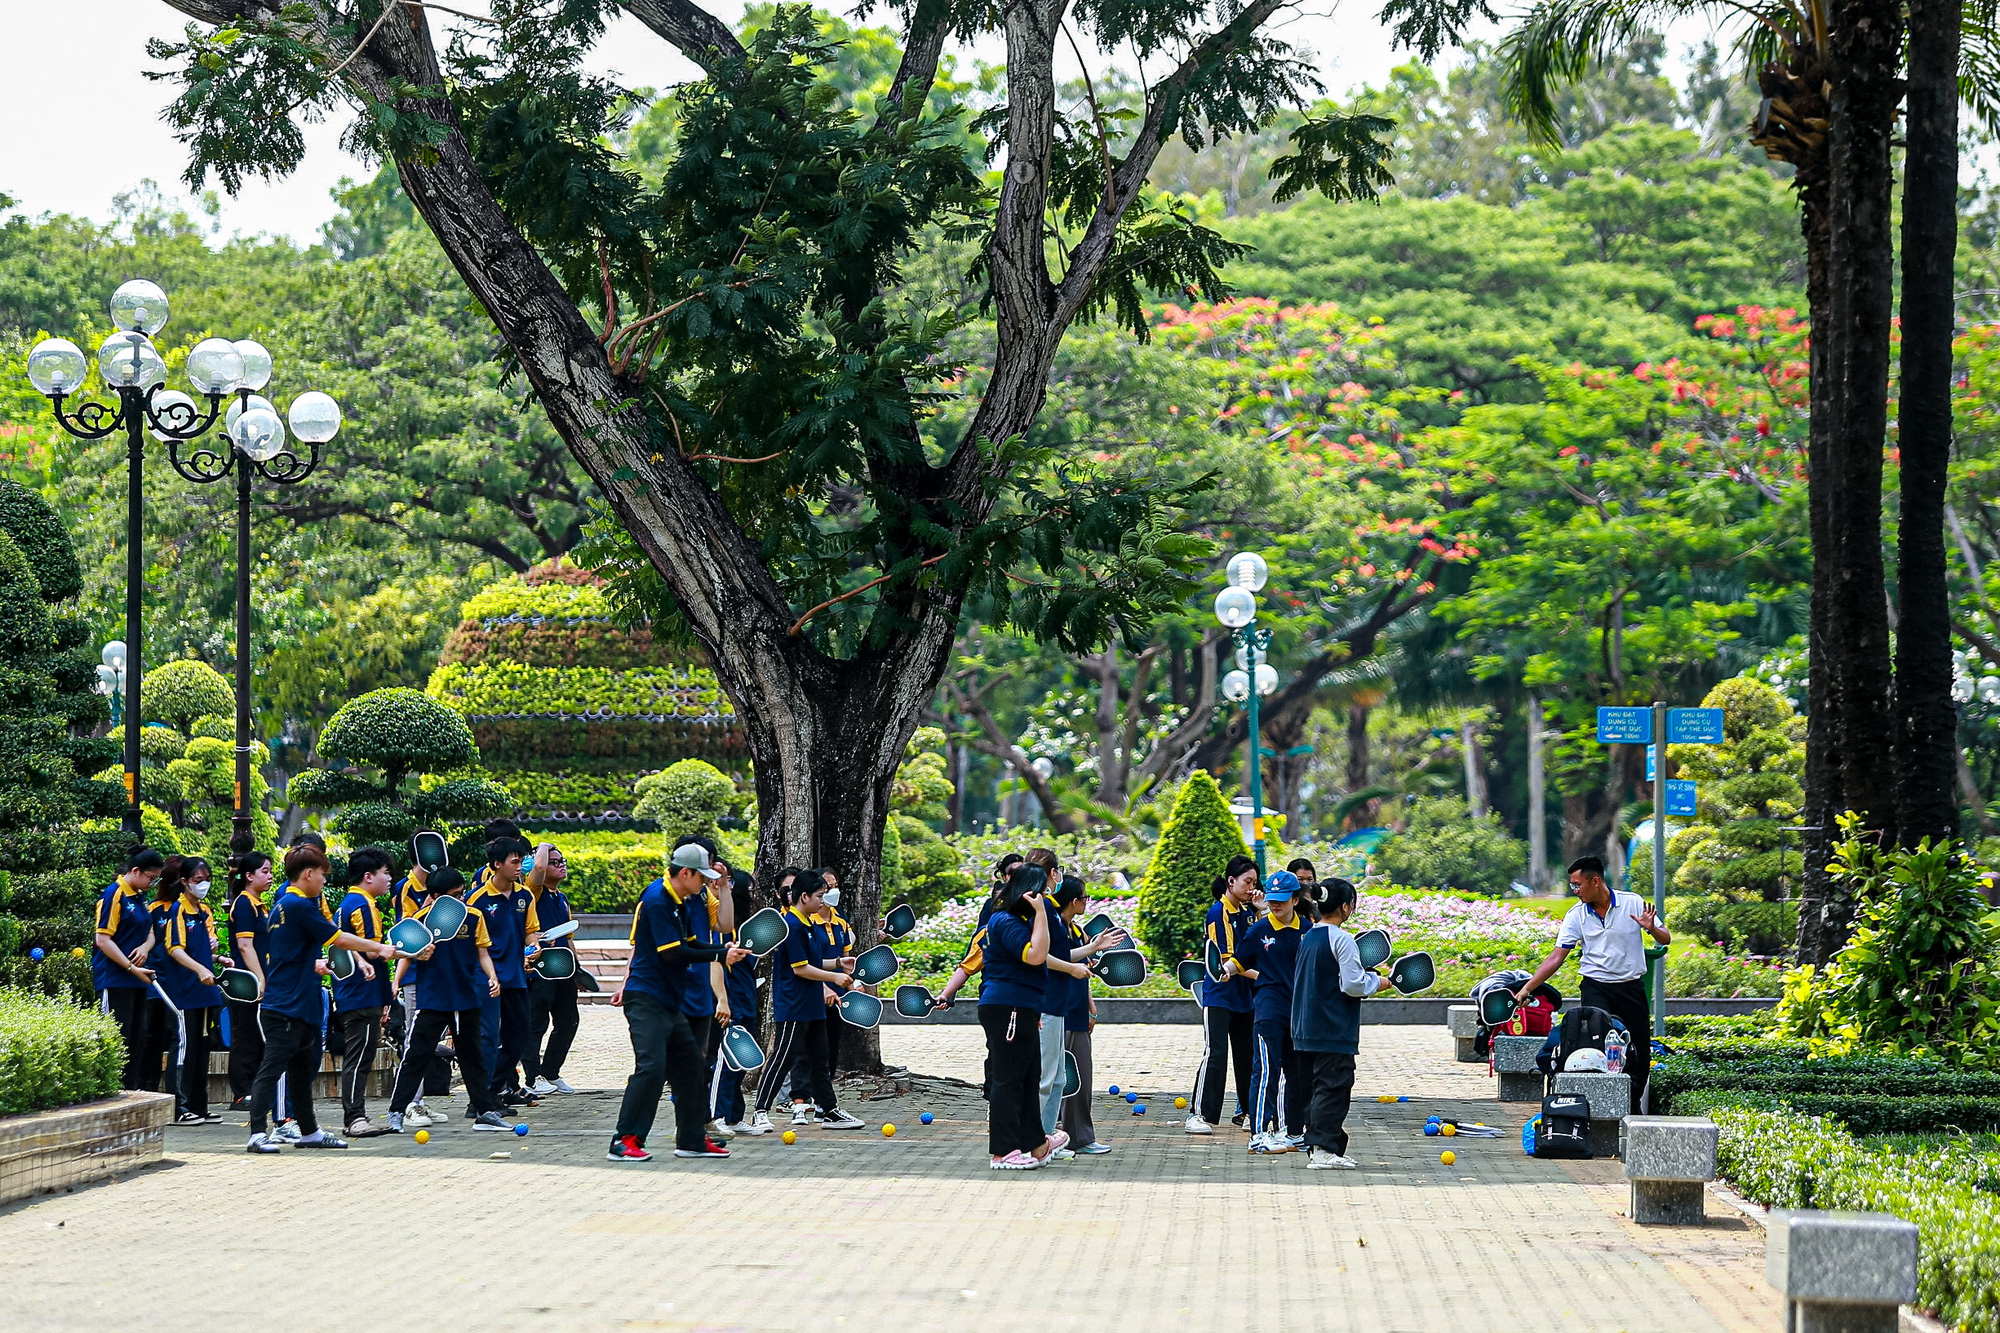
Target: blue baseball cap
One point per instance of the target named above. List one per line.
(1281, 886)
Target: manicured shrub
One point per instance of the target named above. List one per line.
(37, 529)
(601, 881)
(1444, 847)
(1199, 838)
(1781, 1069)
(607, 745)
(180, 692)
(508, 688)
(63, 972)
(399, 731)
(54, 1053)
(690, 797)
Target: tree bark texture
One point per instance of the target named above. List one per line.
(1927, 719)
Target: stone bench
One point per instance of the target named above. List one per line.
(1841, 1272)
(1610, 1098)
(1669, 1159)
(1462, 1021)
(1514, 1063)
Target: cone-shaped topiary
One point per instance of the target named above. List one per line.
(1197, 842)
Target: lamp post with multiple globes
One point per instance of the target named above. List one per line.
(216, 368)
(1236, 608)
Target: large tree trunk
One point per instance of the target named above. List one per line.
(1927, 719)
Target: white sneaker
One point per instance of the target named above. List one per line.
(290, 1131)
(759, 1124)
(562, 1086)
(737, 1127)
(1062, 1154)
(1196, 1125)
(1320, 1159)
(718, 1130)
(542, 1087)
(1260, 1143)
(417, 1119)
(802, 1115)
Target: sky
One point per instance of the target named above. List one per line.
(111, 137)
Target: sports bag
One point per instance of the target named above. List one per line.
(1584, 1026)
(1563, 1128)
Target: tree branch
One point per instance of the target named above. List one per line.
(1001, 746)
(696, 33)
(923, 47)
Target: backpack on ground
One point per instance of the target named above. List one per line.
(1580, 1028)
(1562, 1130)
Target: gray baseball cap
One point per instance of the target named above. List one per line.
(693, 857)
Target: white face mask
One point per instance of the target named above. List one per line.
(198, 891)
(833, 897)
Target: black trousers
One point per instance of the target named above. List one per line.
(1278, 1061)
(158, 1060)
(131, 1008)
(664, 1054)
(515, 1016)
(799, 1050)
(291, 1049)
(1332, 1091)
(551, 1005)
(246, 1048)
(1226, 1040)
(1013, 1079)
(836, 1027)
(1627, 1001)
(187, 1072)
(360, 1032)
(421, 1052)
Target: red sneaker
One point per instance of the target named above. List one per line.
(628, 1149)
(708, 1148)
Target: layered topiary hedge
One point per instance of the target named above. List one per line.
(54, 1053)
(1783, 1069)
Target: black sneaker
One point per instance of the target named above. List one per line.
(492, 1123)
(708, 1148)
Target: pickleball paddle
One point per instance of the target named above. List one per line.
(915, 1002)
(429, 851)
(1097, 925)
(860, 1009)
(1120, 968)
(340, 962)
(1212, 960)
(1496, 1006)
(446, 918)
(556, 964)
(763, 932)
(554, 933)
(1188, 973)
(1373, 946)
(876, 965)
(1413, 972)
(1071, 1080)
(411, 935)
(740, 1050)
(239, 984)
(902, 919)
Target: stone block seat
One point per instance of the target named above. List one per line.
(1668, 1160)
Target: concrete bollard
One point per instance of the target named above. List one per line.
(1462, 1021)
(1841, 1272)
(1610, 1098)
(1669, 1159)
(1514, 1063)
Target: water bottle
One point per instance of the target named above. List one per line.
(1614, 1051)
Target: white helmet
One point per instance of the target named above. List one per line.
(1586, 1060)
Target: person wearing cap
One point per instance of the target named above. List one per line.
(664, 1051)
(1327, 989)
(452, 976)
(1270, 954)
(1608, 930)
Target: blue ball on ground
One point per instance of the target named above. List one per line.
(1139, 1109)
(1432, 1130)
(521, 1129)
(1131, 1097)
(926, 1117)
(36, 953)
(1114, 1089)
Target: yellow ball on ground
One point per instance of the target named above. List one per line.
(1450, 1131)
(789, 1137)
(888, 1131)
(1447, 1157)
(423, 1136)
(1385, 1099)
(1180, 1103)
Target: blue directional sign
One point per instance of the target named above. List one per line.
(1624, 726)
(1652, 762)
(1680, 797)
(1694, 726)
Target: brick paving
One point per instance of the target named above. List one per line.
(853, 1231)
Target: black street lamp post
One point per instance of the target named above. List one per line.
(216, 368)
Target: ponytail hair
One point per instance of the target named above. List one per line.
(173, 878)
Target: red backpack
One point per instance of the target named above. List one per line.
(1536, 1018)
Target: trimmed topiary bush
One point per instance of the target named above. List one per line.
(1199, 838)
(690, 797)
(54, 1053)
(1444, 847)
(399, 731)
(180, 693)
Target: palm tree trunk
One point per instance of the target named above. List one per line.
(1927, 720)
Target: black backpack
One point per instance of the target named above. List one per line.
(1565, 1127)
(1581, 1028)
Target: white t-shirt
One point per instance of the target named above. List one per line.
(1611, 949)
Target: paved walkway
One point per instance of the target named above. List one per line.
(855, 1231)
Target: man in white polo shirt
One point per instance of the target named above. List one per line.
(1609, 930)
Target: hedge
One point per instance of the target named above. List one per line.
(577, 643)
(1778, 1069)
(1788, 1160)
(53, 1053)
(1862, 1113)
(610, 881)
(606, 745)
(506, 688)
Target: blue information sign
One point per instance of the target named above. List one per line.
(1680, 797)
(1624, 726)
(1694, 726)
(1652, 763)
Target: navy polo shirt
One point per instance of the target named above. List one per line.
(656, 969)
(510, 918)
(188, 926)
(740, 984)
(797, 999)
(698, 923)
(250, 921)
(1271, 951)
(122, 914)
(1225, 928)
(1060, 994)
(450, 978)
(1010, 980)
(359, 916)
(551, 909)
(299, 930)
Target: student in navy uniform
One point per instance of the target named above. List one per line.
(508, 906)
(1068, 985)
(1227, 1006)
(1017, 948)
(187, 933)
(451, 976)
(166, 1039)
(725, 1088)
(1078, 1020)
(551, 1003)
(664, 1053)
(413, 895)
(361, 1003)
(293, 1007)
(1327, 989)
(249, 944)
(704, 920)
(123, 938)
(837, 938)
(1269, 951)
(800, 975)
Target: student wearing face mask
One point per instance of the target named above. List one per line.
(187, 928)
(1010, 1011)
(838, 942)
(799, 976)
